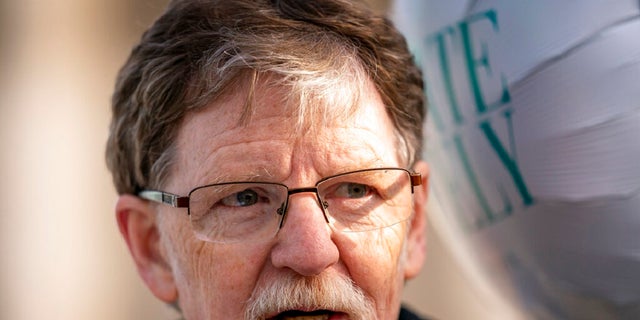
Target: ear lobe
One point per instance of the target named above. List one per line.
(137, 224)
(417, 238)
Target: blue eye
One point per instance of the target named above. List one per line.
(243, 198)
(352, 190)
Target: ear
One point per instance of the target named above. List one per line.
(137, 223)
(416, 239)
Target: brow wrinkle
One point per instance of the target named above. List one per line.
(259, 174)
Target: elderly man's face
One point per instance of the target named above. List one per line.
(220, 281)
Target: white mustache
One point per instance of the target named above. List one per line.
(323, 292)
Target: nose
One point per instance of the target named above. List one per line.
(304, 242)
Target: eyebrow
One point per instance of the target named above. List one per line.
(249, 175)
(374, 163)
(262, 174)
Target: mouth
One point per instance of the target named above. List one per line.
(310, 315)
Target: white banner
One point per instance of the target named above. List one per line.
(533, 139)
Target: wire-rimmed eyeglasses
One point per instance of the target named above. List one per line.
(360, 200)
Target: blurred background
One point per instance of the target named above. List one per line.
(62, 256)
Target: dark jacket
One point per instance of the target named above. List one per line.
(406, 314)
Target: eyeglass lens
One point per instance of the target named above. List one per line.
(251, 211)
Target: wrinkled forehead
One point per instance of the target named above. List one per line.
(308, 101)
(268, 123)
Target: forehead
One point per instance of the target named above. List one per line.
(345, 129)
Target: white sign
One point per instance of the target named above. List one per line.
(533, 139)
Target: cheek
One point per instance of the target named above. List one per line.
(374, 262)
(211, 275)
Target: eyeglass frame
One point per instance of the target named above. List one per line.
(176, 201)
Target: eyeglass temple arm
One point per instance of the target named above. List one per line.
(165, 197)
(416, 180)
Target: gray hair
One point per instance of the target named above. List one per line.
(198, 51)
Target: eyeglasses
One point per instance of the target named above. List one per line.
(361, 200)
